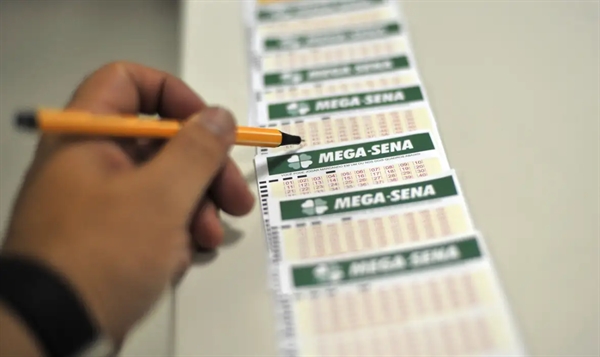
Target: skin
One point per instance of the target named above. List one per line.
(120, 219)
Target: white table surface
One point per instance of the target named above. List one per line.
(514, 86)
(505, 78)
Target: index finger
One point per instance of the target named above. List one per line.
(130, 88)
(127, 88)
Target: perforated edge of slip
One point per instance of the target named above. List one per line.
(271, 233)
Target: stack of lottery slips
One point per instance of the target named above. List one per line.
(372, 249)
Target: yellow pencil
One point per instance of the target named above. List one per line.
(84, 123)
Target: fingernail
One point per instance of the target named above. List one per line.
(218, 121)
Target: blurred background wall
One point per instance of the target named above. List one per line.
(46, 48)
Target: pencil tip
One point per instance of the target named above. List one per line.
(287, 139)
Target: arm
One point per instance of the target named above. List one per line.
(119, 220)
(15, 339)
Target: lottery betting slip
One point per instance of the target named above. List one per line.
(372, 248)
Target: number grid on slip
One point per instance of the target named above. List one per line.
(400, 220)
(368, 255)
(454, 313)
(342, 128)
(345, 235)
(348, 233)
(343, 179)
(308, 58)
(327, 22)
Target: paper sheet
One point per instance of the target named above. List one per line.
(372, 248)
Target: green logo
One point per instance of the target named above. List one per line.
(328, 273)
(312, 207)
(297, 108)
(299, 161)
(290, 78)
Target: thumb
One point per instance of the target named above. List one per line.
(185, 167)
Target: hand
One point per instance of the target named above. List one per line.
(119, 220)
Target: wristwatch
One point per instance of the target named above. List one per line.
(51, 309)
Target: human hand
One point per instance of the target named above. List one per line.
(119, 219)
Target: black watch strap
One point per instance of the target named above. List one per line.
(47, 305)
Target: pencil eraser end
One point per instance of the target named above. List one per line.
(26, 120)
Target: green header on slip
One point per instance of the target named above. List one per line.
(332, 38)
(347, 154)
(385, 265)
(345, 102)
(335, 72)
(368, 199)
(314, 8)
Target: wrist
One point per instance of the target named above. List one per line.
(16, 339)
(50, 308)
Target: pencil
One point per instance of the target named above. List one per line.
(84, 123)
